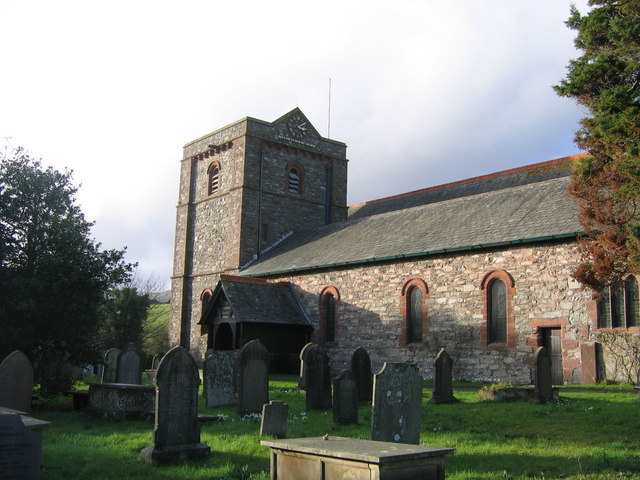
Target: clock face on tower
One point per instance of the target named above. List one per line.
(297, 125)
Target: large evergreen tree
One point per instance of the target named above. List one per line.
(53, 275)
(606, 80)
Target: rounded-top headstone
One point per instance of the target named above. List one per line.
(361, 369)
(16, 379)
(253, 377)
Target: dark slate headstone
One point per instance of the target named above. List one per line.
(110, 367)
(20, 449)
(397, 402)
(443, 379)
(543, 385)
(130, 366)
(220, 372)
(303, 356)
(176, 436)
(274, 419)
(318, 378)
(253, 378)
(345, 399)
(16, 382)
(361, 369)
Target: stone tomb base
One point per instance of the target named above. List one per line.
(175, 453)
(353, 459)
(121, 400)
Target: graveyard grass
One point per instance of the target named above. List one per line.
(583, 436)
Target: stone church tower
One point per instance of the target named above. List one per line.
(242, 188)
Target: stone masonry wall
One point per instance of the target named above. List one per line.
(369, 313)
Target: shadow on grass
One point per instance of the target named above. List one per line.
(522, 464)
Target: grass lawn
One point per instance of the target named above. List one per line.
(585, 435)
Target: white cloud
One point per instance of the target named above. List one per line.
(423, 92)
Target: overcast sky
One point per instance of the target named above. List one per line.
(423, 92)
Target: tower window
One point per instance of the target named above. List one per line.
(214, 178)
(294, 179)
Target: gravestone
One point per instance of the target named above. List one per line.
(543, 385)
(130, 366)
(274, 419)
(220, 374)
(443, 379)
(253, 378)
(397, 401)
(110, 367)
(361, 369)
(318, 378)
(303, 356)
(16, 382)
(345, 399)
(20, 449)
(176, 436)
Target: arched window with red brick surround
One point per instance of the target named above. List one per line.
(205, 297)
(498, 289)
(413, 306)
(213, 175)
(329, 307)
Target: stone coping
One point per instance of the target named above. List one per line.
(122, 386)
(369, 451)
(31, 423)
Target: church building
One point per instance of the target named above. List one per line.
(266, 247)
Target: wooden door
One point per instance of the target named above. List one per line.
(551, 341)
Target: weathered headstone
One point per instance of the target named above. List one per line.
(220, 374)
(397, 401)
(361, 369)
(274, 419)
(20, 449)
(318, 378)
(345, 399)
(176, 436)
(16, 382)
(543, 385)
(443, 379)
(110, 367)
(303, 356)
(130, 366)
(253, 378)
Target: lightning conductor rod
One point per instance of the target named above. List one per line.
(329, 116)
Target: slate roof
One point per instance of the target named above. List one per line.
(475, 186)
(253, 302)
(522, 210)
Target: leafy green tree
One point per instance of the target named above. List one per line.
(124, 314)
(53, 275)
(606, 80)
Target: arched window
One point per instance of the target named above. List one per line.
(329, 303)
(618, 305)
(414, 311)
(205, 297)
(497, 315)
(214, 178)
(498, 289)
(294, 179)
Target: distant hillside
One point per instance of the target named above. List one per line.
(161, 297)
